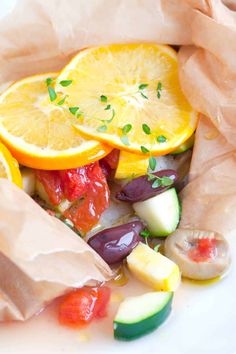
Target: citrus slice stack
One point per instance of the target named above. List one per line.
(40, 133)
(9, 167)
(129, 97)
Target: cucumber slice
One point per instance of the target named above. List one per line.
(161, 213)
(140, 315)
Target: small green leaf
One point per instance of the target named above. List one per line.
(49, 81)
(125, 140)
(126, 128)
(146, 129)
(144, 96)
(102, 128)
(156, 183)
(107, 107)
(65, 83)
(145, 233)
(144, 149)
(156, 248)
(166, 181)
(52, 93)
(103, 98)
(73, 110)
(159, 86)
(142, 86)
(112, 116)
(152, 163)
(161, 139)
(62, 101)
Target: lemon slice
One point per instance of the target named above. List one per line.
(130, 97)
(40, 133)
(9, 167)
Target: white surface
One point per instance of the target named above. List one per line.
(203, 320)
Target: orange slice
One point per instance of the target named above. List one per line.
(9, 167)
(40, 133)
(129, 84)
(131, 165)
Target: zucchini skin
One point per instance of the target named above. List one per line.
(131, 331)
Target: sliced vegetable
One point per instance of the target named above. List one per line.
(153, 268)
(161, 213)
(109, 163)
(140, 315)
(114, 244)
(185, 146)
(83, 305)
(143, 187)
(131, 165)
(81, 194)
(200, 254)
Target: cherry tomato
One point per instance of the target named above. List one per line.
(109, 163)
(86, 187)
(203, 250)
(83, 305)
(52, 184)
(85, 213)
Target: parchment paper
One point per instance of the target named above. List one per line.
(40, 258)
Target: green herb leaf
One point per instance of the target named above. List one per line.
(156, 248)
(156, 184)
(144, 149)
(161, 139)
(102, 128)
(125, 140)
(126, 128)
(107, 107)
(146, 129)
(144, 96)
(65, 83)
(151, 177)
(152, 163)
(73, 110)
(166, 181)
(159, 88)
(49, 81)
(103, 98)
(142, 86)
(52, 93)
(145, 233)
(62, 100)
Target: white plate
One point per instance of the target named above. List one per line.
(203, 320)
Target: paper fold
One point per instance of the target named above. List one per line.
(40, 258)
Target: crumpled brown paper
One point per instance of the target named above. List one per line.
(41, 36)
(40, 257)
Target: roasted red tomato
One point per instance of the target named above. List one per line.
(203, 250)
(83, 305)
(86, 187)
(109, 163)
